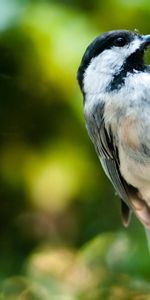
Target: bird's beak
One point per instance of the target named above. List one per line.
(146, 39)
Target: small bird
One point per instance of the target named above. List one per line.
(115, 83)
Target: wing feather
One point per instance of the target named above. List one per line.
(107, 150)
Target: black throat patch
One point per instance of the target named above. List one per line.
(133, 63)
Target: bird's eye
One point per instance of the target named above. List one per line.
(120, 42)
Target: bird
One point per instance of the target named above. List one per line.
(115, 82)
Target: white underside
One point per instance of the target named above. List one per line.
(136, 174)
(132, 104)
(134, 164)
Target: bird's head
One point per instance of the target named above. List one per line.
(111, 56)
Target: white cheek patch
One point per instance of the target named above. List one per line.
(102, 68)
(100, 71)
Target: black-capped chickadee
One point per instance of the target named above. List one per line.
(115, 84)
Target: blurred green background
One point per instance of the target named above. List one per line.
(61, 236)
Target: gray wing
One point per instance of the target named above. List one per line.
(108, 154)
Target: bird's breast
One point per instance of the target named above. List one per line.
(128, 114)
(134, 152)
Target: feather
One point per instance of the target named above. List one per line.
(125, 214)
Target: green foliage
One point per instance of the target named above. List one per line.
(60, 229)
